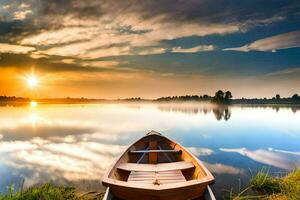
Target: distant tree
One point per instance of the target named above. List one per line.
(277, 96)
(219, 95)
(295, 96)
(228, 95)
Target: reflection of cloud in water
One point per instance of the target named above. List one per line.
(72, 162)
(219, 168)
(283, 151)
(277, 159)
(200, 151)
(216, 168)
(14, 146)
(45, 131)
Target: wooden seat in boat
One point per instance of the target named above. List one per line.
(155, 167)
(160, 167)
(156, 178)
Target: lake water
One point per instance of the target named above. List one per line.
(75, 144)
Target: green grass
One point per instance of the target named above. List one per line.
(242, 195)
(49, 191)
(287, 187)
(291, 185)
(264, 183)
(266, 187)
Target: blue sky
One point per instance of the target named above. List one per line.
(144, 48)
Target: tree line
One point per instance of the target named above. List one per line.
(13, 98)
(277, 99)
(186, 98)
(220, 97)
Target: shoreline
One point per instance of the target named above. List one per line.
(263, 104)
(261, 186)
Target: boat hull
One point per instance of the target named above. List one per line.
(208, 195)
(185, 193)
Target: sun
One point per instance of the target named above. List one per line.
(33, 104)
(32, 81)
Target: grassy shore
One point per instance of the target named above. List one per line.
(49, 191)
(263, 186)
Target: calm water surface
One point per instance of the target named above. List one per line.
(75, 144)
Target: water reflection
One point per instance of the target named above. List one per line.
(275, 158)
(63, 161)
(277, 108)
(220, 111)
(75, 144)
(33, 104)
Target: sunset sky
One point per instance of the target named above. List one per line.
(149, 48)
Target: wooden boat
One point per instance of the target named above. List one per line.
(156, 168)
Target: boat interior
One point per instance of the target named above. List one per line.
(156, 160)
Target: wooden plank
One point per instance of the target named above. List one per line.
(153, 155)
(155, 151)
(148, 178)
(181, 165)
(157, 178)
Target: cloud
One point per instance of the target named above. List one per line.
(250, 23)
(194, 49)
(24, 5)
(88, 50)
(288, 71)
(152, 51)
(68, 61)
(15, 49)
(97, 29)
(6, 6)
(102, 64)
(60, 36)
(21, 15)
(274, 43)
(15, 11)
